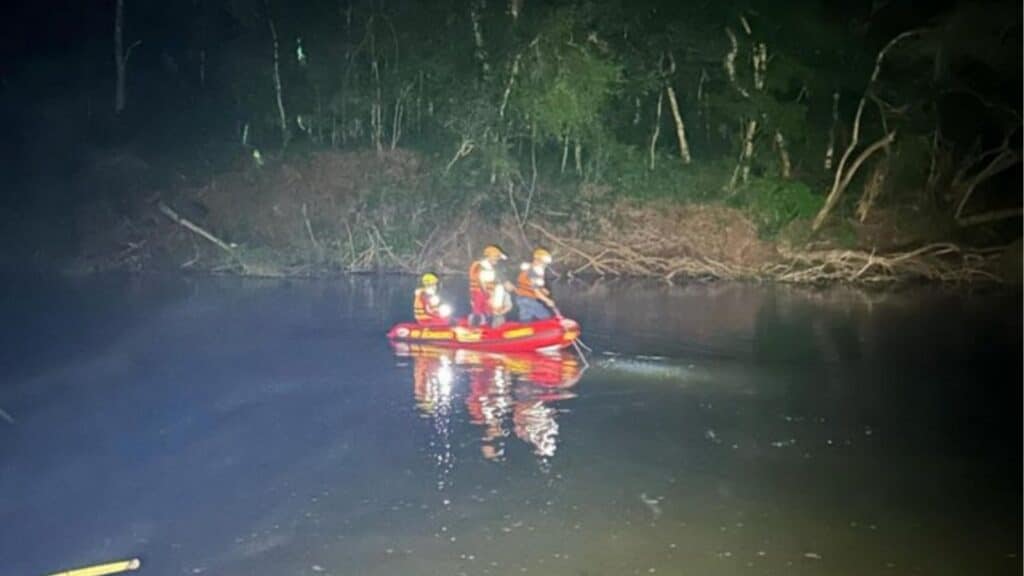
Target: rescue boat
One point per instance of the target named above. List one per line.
(539, 335)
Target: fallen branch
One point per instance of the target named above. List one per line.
(652, 257)
(993, 216)
(1002, 158)
(465, 147)
(186, 223)
(309, 228)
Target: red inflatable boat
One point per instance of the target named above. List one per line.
(551, 334)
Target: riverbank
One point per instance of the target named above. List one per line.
(328, 212)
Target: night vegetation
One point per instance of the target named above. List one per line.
(328, 136)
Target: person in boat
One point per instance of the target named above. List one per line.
(488, 295)
(532, 295)
(427, 307)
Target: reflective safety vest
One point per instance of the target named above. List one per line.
(425, 306)
(531, 281)
(482, 277)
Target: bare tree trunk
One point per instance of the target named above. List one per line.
(120, 57)
(657, 131)
(377, 108)
(729, 63)
(748, 148)
(565, 152)
(684, 146)
(785, 164)
(741, 173)
(419, 103)
(843, 176)
(282, 116)
(759, 61)
(515, 8)
(830, 152)
(703, 106)
(533, 170)
(319, 116)
(938, 166)
(759, 58)
(873, 188)
(577, 153)
(475, 8)
(508, 87)
(396, 123)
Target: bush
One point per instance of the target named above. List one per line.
(774, 203)
(631, 177)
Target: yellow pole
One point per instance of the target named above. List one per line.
(103, 569)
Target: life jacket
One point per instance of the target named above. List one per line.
(425, 305)
(482, 277)
(531, 281)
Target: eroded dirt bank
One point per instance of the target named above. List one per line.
(332, 212)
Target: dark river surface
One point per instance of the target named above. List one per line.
(225, 426)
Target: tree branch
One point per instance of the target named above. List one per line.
(992, 216)
(843, 176)
(186, 223)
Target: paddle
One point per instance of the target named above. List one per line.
(576, 343)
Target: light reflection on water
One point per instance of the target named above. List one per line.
(503, 394)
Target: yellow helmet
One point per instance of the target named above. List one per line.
(492, 251)
(429, 279)
(542, 255)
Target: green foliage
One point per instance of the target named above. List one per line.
(632, 177)
(843, 234)
(566, 81)
(591, 74)
(774, 203)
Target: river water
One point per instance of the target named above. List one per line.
(224, 426)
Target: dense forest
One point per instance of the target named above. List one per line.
(800, 141)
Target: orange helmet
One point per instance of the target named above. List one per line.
(492, 251)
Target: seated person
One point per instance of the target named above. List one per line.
(427, 307)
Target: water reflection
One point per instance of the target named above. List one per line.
(432, 380)
(504, 395)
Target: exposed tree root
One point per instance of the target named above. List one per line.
(941, 262)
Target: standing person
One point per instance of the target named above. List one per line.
(427, 307)
(532, 296)
(487, 295)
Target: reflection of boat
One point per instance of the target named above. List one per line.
(506, 392)
(547, 370)
(550, 334)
